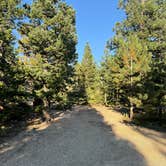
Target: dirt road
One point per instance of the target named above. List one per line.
(86, 137)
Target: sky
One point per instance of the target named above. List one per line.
(94, 22)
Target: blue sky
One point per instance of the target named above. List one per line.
(95, 22)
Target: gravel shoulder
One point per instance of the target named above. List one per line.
(84, 137)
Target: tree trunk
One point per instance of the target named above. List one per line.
(160, 115)
(105, 99)
(117, 96)
(49, 104)
(1, 107)
(142, 1)
(131, 112)
(131, 88)
(45, 111)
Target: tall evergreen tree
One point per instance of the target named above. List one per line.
(9, 81)
(49, 32)
(89, 74)
(145, 19)
(106, 75)
(79, 91)
(134, 65)
(89, 71)
(12, 92)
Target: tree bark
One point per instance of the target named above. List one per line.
(142, 1)
(160, 115)
(117, 96)
(131, 112)
(45, 111)
(105, 99)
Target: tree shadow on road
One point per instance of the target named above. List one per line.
(80, 138)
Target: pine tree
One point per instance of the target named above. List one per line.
(146, 19)
(79, 91)
(135, 62)
(48, 32)
(12, 92)
(9, 79)
(89, 73)
(106, 77)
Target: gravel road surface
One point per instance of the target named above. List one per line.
(80, 138)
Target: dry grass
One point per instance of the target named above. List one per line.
(151, 144)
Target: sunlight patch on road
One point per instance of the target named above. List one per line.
(151, 144)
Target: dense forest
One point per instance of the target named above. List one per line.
(39, 69)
